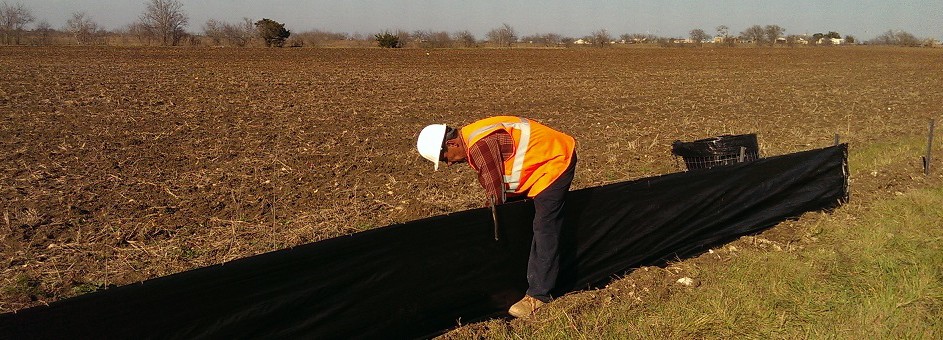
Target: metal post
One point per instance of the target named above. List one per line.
(494, 215)
(927, 159)
(743, 153)
(836, 139)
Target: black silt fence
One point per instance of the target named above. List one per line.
(421, 278)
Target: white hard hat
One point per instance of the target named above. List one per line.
(430, 141)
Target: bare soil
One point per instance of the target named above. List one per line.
(123, 164)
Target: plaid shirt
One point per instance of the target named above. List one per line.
(488, 156)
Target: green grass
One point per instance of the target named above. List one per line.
(22, 286)
(867, 270)
(872, 157)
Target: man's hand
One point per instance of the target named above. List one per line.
(492, 200)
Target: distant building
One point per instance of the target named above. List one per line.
(830, 41)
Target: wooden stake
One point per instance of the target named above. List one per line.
(928, 158)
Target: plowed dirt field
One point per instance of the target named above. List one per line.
(123, 164)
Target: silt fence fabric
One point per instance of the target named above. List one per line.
(423, 277)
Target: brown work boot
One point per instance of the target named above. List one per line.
(526, 307)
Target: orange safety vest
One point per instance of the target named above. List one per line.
(540, 156)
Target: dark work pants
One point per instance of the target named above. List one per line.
(543, 266)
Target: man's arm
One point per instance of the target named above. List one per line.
(488, 155)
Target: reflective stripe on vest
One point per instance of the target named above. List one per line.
(514, 180)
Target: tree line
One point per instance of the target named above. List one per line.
(164, 22)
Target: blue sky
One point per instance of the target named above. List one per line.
(863, 19)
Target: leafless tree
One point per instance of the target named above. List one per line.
(440, 39)
(213, 29)
(626, 38)
(900, 38)
(464, 39)
(44, 33)
(552, 39)
(502, 36)
(402, 35)
(698, 36)
(431, 39)
(601, 38)
(773, 33)
(754, 33)
(792, 40)
(418, 37)
(318, 37)
(13, 21)
(234, 34)
(82, 27)
(723, 32)
(139, 31)
(165, 20)
(240, 34)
